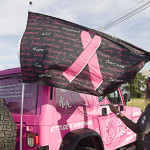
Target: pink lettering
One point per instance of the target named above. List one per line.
(119, 54)
(53, 30)
(34, 38)
(78, 46)
(116, 70)
(69, 34)
(24, 37)
(45, 44)
(49, 56)
(131, 57)
(126, 62)
(63, 42)
(25, 53)
(66, 60)
(117, 48)
(24, 47)
(51, 50)
(35, 23)
(68, 49)
(71, 55)
(24, 42)
(68, 38)
(106, 50)
(50, 26)
(49, 39)
(34, 28)
(59, 23)
(38, 55)
(29, 33)
(29, 60)
(107, 56)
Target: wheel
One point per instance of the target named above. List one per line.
(7, 129)
(88, 144)
(86, 148)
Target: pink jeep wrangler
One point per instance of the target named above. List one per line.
(58, 119)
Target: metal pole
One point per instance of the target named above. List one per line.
(22, 100)
(30, 6)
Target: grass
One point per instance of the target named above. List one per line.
(137, 102)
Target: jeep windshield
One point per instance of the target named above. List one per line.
(113, 97)
(11, 92)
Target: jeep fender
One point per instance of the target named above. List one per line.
(72, 139)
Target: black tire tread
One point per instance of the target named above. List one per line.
(7, 129)
(86, 148)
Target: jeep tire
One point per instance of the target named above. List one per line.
(86, 148)
(7, 129)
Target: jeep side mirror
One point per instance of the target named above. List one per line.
(121, 108)
(126, 97)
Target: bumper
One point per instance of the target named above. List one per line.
(43, 148)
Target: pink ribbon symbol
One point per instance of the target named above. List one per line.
(88, 56)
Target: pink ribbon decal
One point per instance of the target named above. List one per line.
(88, 56)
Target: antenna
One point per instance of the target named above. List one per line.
(30, 6)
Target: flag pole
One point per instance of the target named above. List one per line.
(30, 6)
(22, 100)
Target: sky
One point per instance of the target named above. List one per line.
(89, 13)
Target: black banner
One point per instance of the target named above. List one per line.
(62, 54)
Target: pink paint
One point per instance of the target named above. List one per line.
(88, 56)
(104, 101)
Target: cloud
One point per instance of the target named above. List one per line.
(8, 52)
(13, 17)
(90, 13)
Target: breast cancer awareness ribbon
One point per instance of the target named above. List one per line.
(88, 56)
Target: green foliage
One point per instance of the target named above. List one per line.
(136, 86)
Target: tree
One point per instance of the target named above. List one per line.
(136, 86)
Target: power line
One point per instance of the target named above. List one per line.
(106, 26)
(126, 16)
(124, 19)
(123, 13)
(137, 10)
